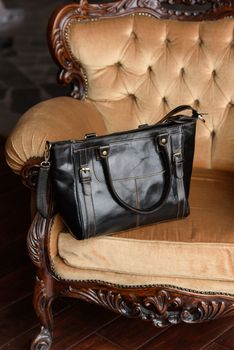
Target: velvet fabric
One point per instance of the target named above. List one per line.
(142, 67)
(61, 118)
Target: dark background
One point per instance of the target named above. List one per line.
(27, 72)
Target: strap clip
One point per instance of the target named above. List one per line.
(85, 175)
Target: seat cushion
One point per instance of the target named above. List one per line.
(195, 253)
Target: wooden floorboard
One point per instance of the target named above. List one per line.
(25, 325)
(20, 285)
(190, 337)
(96, 342)
(79, 323)
(227, 339)
(216, 346)
(16, 319)
(136, 333)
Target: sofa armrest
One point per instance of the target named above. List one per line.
(61, 118)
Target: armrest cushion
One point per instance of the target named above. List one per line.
(56, 119)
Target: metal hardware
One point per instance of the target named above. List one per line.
(142, 126)
(104, 151)
(84, 170)
(85, 175)
(45, 163)
(200, 117)
(90, 135)
(177, 157)
(162, 141)
(47, 151)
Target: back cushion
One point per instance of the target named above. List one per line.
(139, 67)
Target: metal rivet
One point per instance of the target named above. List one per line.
(104, 153)
(163, 141)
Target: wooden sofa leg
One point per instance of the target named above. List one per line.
(42, 301)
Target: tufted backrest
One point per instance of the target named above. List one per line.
(139, 67)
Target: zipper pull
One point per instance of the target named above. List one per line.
(45, 163)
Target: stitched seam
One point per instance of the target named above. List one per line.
(77, 201)
(137, 204)
(132, 286)
(178, 199)
(182, 180)
(124, 178)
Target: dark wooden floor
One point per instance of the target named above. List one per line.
(78, 325)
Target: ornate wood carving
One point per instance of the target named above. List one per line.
(37, 243)
(42, 303)
(162, 307)
(176, 9)
(72, 71)
(58, 31)
(29, 173)
(43, 341)
(35, 240)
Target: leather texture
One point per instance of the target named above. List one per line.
(122, 180)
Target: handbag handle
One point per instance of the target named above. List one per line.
(163, 146)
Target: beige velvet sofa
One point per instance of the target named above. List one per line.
(128, 67)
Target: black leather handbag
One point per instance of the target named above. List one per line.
(115, 182)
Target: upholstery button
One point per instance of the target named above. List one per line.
(231, 104)
(150, 69)
(133, 96)
(232, 43)
(214, 73)
(164, 99)
(133, 34)
(182, 71)
(196, 102)
(167, 41)
(200, 42)
(119, 64)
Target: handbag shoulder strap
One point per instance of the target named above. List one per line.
(181, 108)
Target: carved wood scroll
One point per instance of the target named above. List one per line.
(71, 70)
(162, 306)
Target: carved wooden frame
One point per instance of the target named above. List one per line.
(162, 305)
